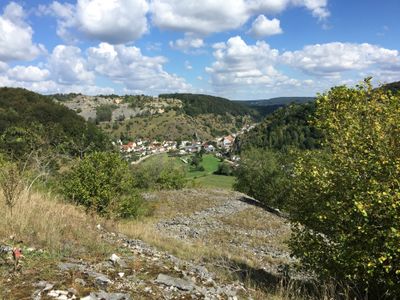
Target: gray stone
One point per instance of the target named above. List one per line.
(179, 283)
(102, 280)
(70, 266)
(106, 296)
(116, 260)
(44, 286)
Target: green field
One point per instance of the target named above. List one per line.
(204, 178)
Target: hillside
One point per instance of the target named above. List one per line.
(286, 127)
(207, 244)
(168, 117)
(265, 107)
(394, 86)
(31, 121)
(276, 101)
(197, 104)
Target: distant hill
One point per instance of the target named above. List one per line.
(197, 104)
(264, 107)
(394, 86)
(278, 101)
(32, 121)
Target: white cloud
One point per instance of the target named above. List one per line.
(112, 21)
(3, 67)
(333, 58)
(66, 18)
(127, 65)
(67, 66)
(202, 17)
(317, 7)
(211, 16)
(30, 73)
(188, 66)
(262, 27)
(16, 36)
(240, 65)
(187, 43)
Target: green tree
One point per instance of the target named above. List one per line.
(347, 206)
(262, 175)
(99, 181)
(159, 175)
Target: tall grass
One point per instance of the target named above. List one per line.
(42, 220)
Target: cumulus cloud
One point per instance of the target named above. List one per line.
(202, 17)
(127, 65)
(333, 58)
(211, 16)
(16, 36)
(3, 67)
(262, 27)
(67, 66)
(112, 21)
(317, 7)
(30, 73)
(188, 43)
(238, 64)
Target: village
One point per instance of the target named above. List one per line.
(140, 149)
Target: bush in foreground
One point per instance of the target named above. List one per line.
(102, 182)
(159, 175)
(262, 175)
(347, 204)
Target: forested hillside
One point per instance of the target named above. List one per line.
(394, 86)
(196, 104)
(31, 121)
(287, 127)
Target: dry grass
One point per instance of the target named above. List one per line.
(43, 221)
(169, 204)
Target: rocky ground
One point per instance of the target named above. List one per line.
(223, 220)
(247, 239)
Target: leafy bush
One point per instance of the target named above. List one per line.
(104, 113)
(129, 206)
(262, 175)
(99, 182)
(159, 175)
(347, 203)
(224, 169)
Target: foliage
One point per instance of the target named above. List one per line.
(262, 175)
(11, 183)
(131, 205)
(224, 168)
(99, 181)
(347, 198)
(287, 127)
(159, 175)
(31, 121)
(196, 104)
(104, 113)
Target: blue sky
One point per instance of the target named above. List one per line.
(240, 49)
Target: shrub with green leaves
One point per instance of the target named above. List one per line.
(103, 182)
(262, 175)
(346, 208)
(159, 175)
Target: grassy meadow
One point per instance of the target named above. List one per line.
(202, 179)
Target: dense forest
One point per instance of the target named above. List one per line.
(197, 104)
(288, 126)
(30, 121)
